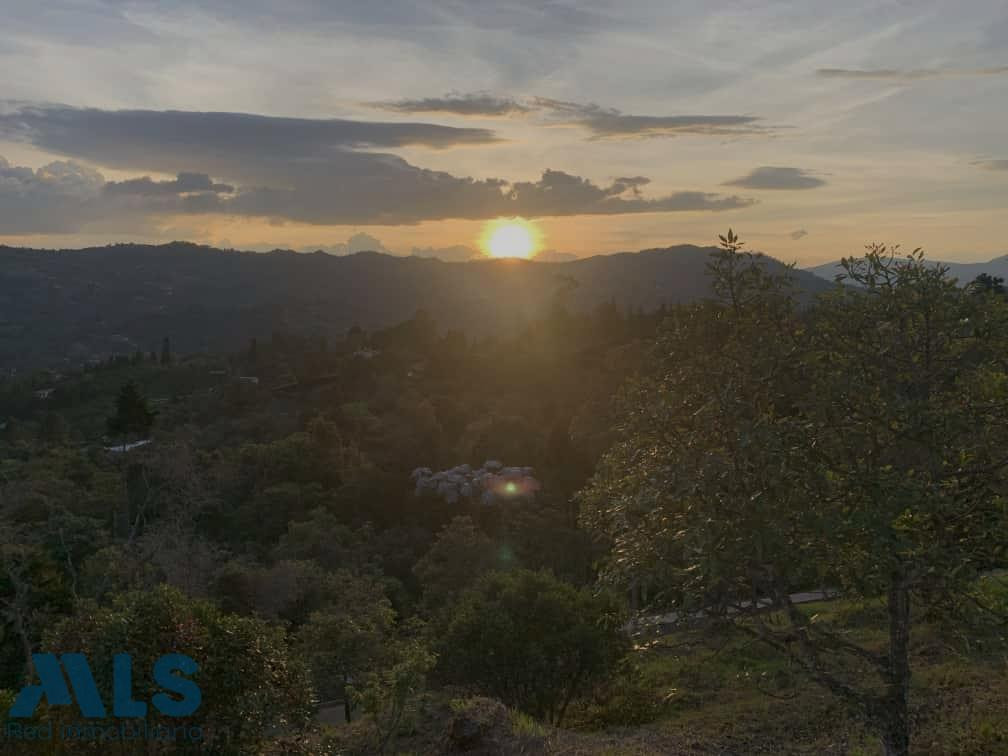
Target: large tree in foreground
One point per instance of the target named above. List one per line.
(857, 444)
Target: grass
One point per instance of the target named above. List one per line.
(695, 691)
(524, 725)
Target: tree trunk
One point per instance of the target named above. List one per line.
(346, 698)
(896, 724)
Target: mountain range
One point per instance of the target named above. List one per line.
(66, 307)
(964, 272)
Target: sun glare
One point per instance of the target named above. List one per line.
(510, 237)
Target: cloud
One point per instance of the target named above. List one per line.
(58, 197)
(398, 193)
(631, 184)
(777, 177)
(456, 253)
(359, 242)
(362, 242)
(559, 193)
(798, 234)
(555, 257)
(606, 123)
(318, 172)
(992, 165)
(913, 74)
(65, 196)
(603, 123)
(163, 138)
(184, 183)
(474, 104)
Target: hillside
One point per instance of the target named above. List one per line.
(68, 306)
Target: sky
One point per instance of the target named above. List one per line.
(811, 127)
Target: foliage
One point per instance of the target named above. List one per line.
(252, 687)
(457, 558)
(348, 638)
(766, 443)
(132, 416)
(530, 640)
(389, 693)
(857, 445)
(985, 283)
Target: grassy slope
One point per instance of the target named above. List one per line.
(725, 694)
(696, 692)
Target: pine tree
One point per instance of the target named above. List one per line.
(132, 416)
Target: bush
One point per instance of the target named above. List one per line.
(531, 640)
(252, 686)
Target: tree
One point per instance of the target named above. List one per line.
(32, 594)
(53, 429)
(459, 556)
(348, 638)
(253, 688)
(858, 445)
(389, 693)
(288, 590)
(907, 435)
(530, 640)
(985, 283)
(132, 416)
(166, 351)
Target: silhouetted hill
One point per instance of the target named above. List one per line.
(72, 305)
(965, 272)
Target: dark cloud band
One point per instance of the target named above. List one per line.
(320, 172)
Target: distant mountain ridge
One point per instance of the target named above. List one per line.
(68, 306)
(964, 272)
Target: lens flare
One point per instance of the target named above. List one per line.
(510, 237)
(512, 486)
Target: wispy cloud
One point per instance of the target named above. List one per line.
(992, 165)
(777, 177)
(911, 74)
(608, 123)
(601, 122)
(474, 104)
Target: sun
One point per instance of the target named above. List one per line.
(510, 237)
